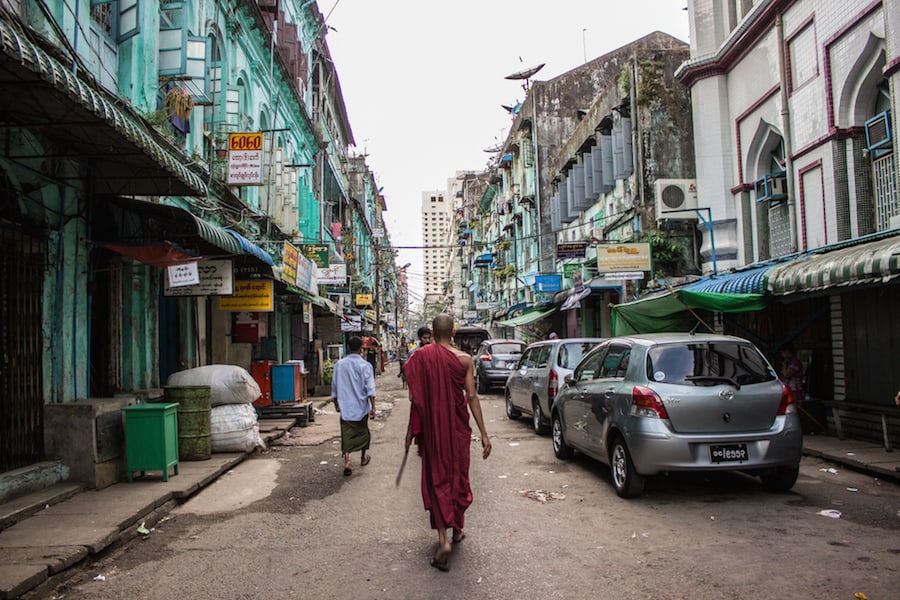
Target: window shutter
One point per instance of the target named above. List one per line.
(129, 26)
(172, 39)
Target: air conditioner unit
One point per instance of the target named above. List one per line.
(771, 187)
(676, 195)
(878, 132)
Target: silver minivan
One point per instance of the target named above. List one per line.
(533, 385)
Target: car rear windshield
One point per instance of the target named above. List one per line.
(571, 354)
(506, 349)
(708, 363)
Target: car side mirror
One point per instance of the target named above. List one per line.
(569, 379)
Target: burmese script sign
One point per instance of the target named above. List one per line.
(245, 159)
(623, 258)
(183, 274)
(571, 250)
(215, 279)
(254, 295)
(332, 274)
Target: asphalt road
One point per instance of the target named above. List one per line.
(287, 524)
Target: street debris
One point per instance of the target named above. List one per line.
(830, 513)
(324, 462)
(163, 520)
(831, 470)
(542, 496)
(100, 578)
(142, 529)
(514, 443)
(860, 596)
(320, 411)
(502, 476)
(851, 489)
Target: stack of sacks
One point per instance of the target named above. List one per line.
(233, 423)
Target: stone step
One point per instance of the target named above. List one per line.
(17, 509)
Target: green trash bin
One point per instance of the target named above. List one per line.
(194, 409)
(151, 438)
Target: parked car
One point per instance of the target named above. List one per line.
(468, 339)
(494, 360)
(648, 404)
(533, 385)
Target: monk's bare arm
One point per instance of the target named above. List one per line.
(475, 405)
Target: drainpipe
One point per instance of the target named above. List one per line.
(537, 178)
(786, 131)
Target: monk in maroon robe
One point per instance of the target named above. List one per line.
(442, 391)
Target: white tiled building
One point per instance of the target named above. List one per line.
(792, 112)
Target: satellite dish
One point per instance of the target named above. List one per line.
(525, 74)
(493, 148)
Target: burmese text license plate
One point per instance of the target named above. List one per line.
(729, 453)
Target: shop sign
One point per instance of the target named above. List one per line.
(183, 274)
(622, 258)
(571, 250)
(306, 276)
(332, 274)
(316, 253)
(215, 279)
(624, 276)
(351, 323)
(255, 295)
(547, 283)
(289, 259)
(485, 305)
(245, 159)
(364, 299)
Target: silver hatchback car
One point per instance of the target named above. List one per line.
(648, 404)
(533, 385)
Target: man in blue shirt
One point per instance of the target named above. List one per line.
(353, 392)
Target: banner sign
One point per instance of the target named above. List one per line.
(215, 279)
(306, 275)
(245, 159)
(256, 295)
(332, 274)
(623, 258)
(364, 299)
(183, 274)
(485, 305)
(569, 270)
(470, 314)
(571, 250)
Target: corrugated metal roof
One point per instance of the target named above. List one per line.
(250, 248)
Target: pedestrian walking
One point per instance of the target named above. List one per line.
(353, 393)
(442, 391)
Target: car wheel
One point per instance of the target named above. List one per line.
(781, 479)
(537, 418)
(512, 413)
(480, 386)
(562, 450)
(625, 479)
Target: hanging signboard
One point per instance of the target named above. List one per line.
(306, 275)
(353, 323)
(256, 295)
(622, 258)
(215, 279)
(571, 250)
(245, 158)
(624, 276)
(364, 299)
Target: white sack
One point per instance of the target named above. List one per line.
(228, 384)
(234, 428)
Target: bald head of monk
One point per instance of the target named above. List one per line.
(442, 327)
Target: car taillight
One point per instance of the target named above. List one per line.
(646, 403)
(552, 387)
(487, 357)
(787, 405)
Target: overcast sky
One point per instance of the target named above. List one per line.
(423, 80)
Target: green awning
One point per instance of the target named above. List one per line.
(529, 317)
(488, 197)
(870, 262)
(672, 311)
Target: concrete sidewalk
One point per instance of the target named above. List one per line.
(66, 525)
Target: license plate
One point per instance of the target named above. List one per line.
(729, 453)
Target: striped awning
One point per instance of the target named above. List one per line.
(748, 281)
(250, 248)
(871, 262)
